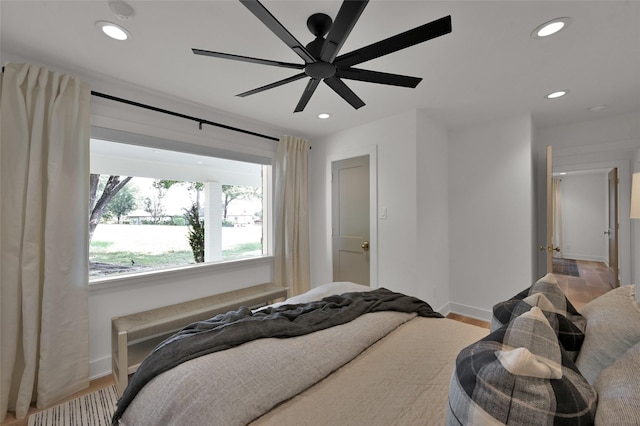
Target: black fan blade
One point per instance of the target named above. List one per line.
(247, 59)
(306, 95)
(346, 19)
(341, 89)
(272, 85)
(378, 77)
(278, 29)
(403, 40)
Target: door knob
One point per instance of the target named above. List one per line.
(549, 249)
(365, 246)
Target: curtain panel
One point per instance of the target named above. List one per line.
(291, 227)
(44, 181)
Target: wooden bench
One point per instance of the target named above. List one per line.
(134, 336)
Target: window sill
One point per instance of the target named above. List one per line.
(145, 278)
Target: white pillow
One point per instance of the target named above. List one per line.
(324, 290)
(613, 326)
(618, 388)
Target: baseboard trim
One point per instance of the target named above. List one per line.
(445, 309)
(99, 368)
(469, 311)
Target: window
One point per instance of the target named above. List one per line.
(154, 208)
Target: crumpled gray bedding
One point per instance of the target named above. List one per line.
(239, 327)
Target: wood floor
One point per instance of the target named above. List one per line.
(468, 320)
(592, 282)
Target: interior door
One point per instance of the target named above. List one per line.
(350, 219)
(612, 232)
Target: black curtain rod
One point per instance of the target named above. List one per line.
(200, 121)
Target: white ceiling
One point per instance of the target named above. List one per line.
(488, 67)
(133, 160)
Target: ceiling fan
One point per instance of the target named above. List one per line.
(321, 60)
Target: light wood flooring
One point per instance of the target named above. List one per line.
(468, 320)
(593, 282)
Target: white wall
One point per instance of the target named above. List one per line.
(460, 208)
(432, 254)
(411, 165)
(394, 141)
(583, 201)
(490, 214)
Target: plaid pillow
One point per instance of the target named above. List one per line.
(569, 335)
(548, 285)
(519, 375)
(561, 314)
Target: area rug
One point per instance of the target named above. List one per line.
(94, 409)
(565, 267)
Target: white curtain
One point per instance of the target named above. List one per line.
(44, 180)
(292, 260)
(557, 217)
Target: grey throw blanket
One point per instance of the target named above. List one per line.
(234, 328)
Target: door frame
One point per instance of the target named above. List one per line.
(613, 196)
(372, 152)
(570, 163)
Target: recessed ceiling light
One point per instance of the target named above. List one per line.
(121, 9)
(323, 116)
(549, 28)
(114, 31)
(597, 108)
(557, 94)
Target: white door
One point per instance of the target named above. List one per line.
(350, 219)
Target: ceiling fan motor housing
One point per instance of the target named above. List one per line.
(320, 70)
(319, 24)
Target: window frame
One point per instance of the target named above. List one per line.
(154, 142)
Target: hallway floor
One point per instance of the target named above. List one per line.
(592, 282)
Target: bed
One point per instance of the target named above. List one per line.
(541, 363)
(381, 368)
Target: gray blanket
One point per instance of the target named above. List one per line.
(234, 328)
